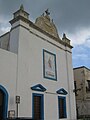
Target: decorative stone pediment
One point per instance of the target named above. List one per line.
(62, 91)
(38, 87)
(45, 23)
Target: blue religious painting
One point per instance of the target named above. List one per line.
(49, 65)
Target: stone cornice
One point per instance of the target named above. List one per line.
(19, 18)
(49, 35)
(4, 34)
(41, 38)
(81, 67)
(31, 24)
(19, 11)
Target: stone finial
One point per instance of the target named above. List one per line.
(47, 12)
(44, 22)
(22, 13)
(65, 39)
(21, 7)
(64, 35)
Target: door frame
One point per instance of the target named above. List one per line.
(42, 105)
(5, 106)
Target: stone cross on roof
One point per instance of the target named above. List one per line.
(47, 12)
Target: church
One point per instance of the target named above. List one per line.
(36, 74)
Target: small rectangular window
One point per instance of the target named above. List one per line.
(88, 86)
(62, 107)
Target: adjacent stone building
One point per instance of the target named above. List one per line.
(82, 85)
(36, 75)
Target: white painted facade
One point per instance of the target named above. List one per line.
(22, 68)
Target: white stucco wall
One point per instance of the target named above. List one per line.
(4, 41)
(22, 68)
(14, 38)
(30, 73)
(8, 66)
(70, 79)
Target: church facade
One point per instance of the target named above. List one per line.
(36, 75)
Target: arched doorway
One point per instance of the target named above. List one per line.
(3, 102)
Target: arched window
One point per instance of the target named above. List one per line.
(3, 102)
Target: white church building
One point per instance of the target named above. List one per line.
(36, 74)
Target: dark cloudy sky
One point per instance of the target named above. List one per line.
(70, 16)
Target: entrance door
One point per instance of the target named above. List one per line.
(38, 110)
(1, 104)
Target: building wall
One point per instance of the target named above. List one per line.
(8, 66)
(14, 38)
(30, 73)
(81, 75)
(25, 65)
(79, 78)
(4, 41)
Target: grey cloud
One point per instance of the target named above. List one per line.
(68, 15)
